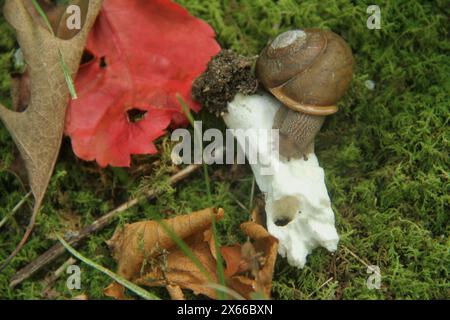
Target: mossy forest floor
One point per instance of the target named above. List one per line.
(385, 154)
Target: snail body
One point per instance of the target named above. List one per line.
(297, 131)
(308, 71)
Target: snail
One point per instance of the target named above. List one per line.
(308, 71)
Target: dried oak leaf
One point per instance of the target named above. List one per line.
(264, 257)
(140, 241)
(181, 271)
(178, 270)
(232, 257)
(175, 292)
(141, 244)
(143, 53)
(20, 82)
(116, 291)
(38, 130)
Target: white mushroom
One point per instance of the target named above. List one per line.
(295, 192)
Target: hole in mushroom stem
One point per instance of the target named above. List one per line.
(282, 222)
(135, 115)
(284, 210)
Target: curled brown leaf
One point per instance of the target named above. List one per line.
(148, 256)
(136, 242)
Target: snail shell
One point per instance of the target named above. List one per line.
(308, 71)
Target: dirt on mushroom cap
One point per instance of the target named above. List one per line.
(227, 75)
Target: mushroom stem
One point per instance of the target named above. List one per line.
(298, 207)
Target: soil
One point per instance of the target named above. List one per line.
(227, 74)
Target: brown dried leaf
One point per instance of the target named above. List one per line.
(264, 254)
(38, 130)
(20, 91)
(258, 214)
(81, 297)
(140, 241)
(116, 291)
(175, 292)
(135, 257)
(57, 15)
(181, 271)
(233, 258)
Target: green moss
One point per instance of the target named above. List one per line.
(385, 156)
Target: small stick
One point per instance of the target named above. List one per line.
(239, 203)
(321, 286)
(356, 257)
(58, 249)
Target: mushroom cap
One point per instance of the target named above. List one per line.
(309, 71)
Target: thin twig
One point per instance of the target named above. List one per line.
(358, 258)
(320, 287)
(355, 256)
(58, 249)
(239, 203)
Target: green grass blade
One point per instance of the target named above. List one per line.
(184, 247)
(43, 16)
(68, 77)
(15, 209)
(64, 67)
(219, 259)
(225, 290)
(127, 284)
(252, 195)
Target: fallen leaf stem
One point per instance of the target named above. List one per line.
(26, 235)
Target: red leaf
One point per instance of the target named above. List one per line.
(144, 53)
